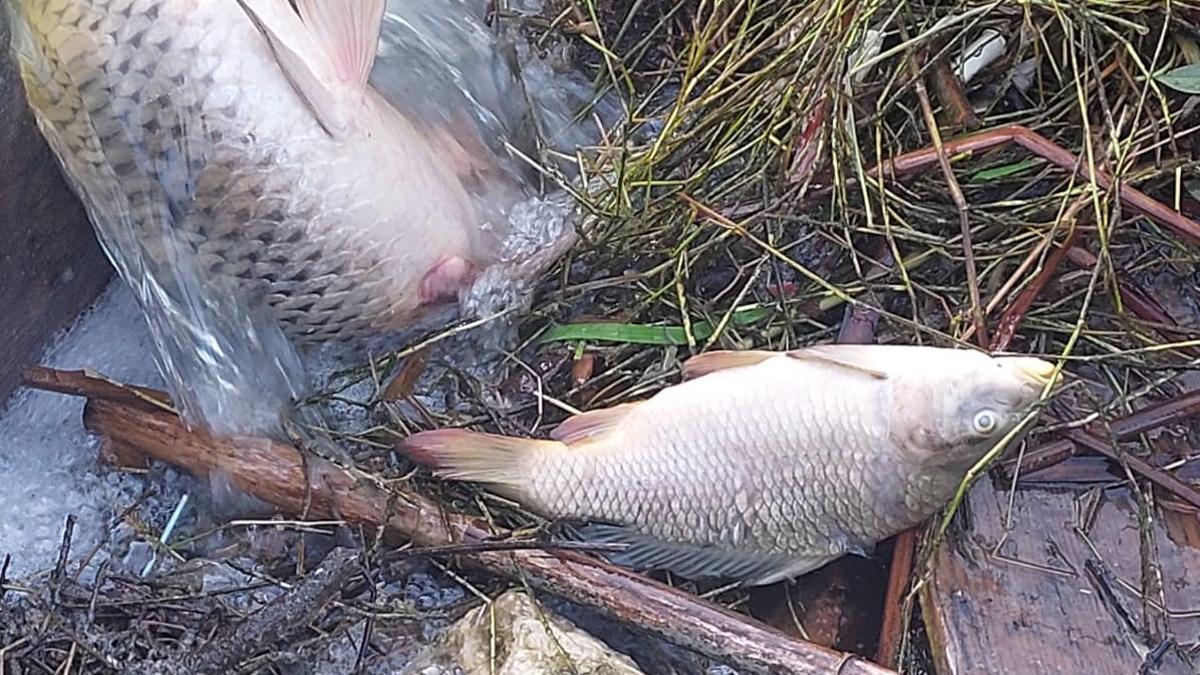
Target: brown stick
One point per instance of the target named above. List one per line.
(1156, 416)
(1006, 330)
(891, 629)
(1136, 298)
(273, 472)
(1043, 147)
(90, 385)
(960, 204)
(1124, 428)
(1161, 478)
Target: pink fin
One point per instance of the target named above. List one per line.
(331, 44)
(445, 279)
(501, 462)
(591, 425)
(348, 30)
(711, 362)
(299, 57)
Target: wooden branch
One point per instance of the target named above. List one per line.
(92, 385)
(1043, 147)
(1163, 479)
(276, 624)
(274, 472)
(917, 160)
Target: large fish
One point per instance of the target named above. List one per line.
(761, 466)
(242, 139)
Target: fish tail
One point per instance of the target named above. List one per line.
(501, 462)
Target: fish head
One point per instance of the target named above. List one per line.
(953, 409)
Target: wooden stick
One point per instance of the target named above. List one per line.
(891, 628)
(1181, 225)
(274, 472)
(1043, 147)
(283, 620)
(1163, 479)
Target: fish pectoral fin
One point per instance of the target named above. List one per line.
(698, 562)
(853, 358)
(711, 362)
(592, 424)
(846, 542)
(349, 32)
(301, 58)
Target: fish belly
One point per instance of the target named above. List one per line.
(200, 164)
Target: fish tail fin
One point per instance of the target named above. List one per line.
(501, 462)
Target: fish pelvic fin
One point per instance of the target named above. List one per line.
(699, 562)
(500, 462)
(592, 425)
(711, 362)
(349, 32)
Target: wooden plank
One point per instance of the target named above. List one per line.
(50, 264)
(1035, 607)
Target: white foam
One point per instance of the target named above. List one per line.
(48, 460)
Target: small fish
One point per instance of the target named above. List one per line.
(243, 138)
(761, 466)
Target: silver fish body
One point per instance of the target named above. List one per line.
(191, 146)
(765, 465)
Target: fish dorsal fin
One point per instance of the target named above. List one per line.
(332, 47)
(592, 424)
(349, 32)
(853, 358)
(711, 362)
(699, 562)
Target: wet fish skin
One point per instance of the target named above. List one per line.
(184, 137)
(764, 465)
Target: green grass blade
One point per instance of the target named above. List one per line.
(643, 334)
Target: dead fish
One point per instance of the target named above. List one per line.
(244, 136)
(761, 466)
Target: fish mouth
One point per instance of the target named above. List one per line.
(1034, 370)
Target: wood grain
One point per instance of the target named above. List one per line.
(994, 614)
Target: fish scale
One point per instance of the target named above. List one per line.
(188, 145)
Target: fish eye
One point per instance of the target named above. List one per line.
(985, 422)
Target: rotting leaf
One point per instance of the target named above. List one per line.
(1184, 78)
